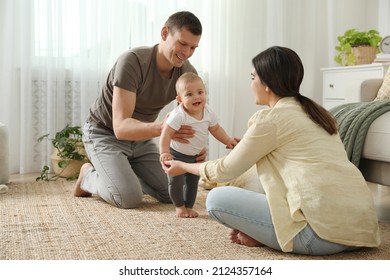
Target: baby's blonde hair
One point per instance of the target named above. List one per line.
(186, 78)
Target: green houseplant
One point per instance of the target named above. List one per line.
(353, 39)
(68, 155)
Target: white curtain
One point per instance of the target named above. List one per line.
(237, 30)
(55, 55)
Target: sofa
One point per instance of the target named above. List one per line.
(375, 159)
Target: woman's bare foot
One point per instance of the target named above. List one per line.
(192, 213)
(77, 190)
(181, 212)
(241, 238)
(233, 236)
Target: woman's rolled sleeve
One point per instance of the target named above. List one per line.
(258, 141)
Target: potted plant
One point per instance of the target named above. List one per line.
(68, 155)
(356, 47)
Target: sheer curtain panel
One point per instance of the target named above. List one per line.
(55, 55)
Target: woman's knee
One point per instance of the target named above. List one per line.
(220, 198)
(213, 199)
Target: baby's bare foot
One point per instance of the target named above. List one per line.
(181, 212)
(77, 189)
(192, 213)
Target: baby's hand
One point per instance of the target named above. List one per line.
(165, 157)
(232, 143)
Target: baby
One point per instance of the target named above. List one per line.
(192, 111)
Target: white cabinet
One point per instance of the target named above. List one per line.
(342, 84)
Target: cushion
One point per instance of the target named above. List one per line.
(384, 91)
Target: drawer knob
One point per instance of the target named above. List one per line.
(331, 85)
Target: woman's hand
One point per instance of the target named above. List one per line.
(174, 167)
(164, 157)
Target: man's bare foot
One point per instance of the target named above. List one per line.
(77, 189)
(181, 212)
(192, 213)
(241, 238)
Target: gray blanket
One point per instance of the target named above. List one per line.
(353, 121)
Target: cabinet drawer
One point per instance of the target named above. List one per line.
(342, 84)
(346, 84)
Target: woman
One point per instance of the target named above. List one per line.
(316, 201)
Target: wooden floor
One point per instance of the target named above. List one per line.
(380, 193)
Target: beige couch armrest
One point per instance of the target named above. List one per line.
(369, 89)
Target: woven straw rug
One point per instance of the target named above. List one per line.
(43, 221)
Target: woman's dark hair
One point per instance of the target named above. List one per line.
(184, 19)
(281, 70)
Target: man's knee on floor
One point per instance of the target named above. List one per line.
(128, 203)
(165, 199)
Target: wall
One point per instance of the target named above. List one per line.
(313, 38)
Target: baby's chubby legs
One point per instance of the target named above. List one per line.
(183, 189)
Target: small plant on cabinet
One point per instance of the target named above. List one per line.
(351, 41)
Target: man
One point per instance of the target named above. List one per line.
(120, 128)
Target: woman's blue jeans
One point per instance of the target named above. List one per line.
(249, 213)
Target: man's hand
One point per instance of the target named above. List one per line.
(183, 133)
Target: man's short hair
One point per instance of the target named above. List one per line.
(185, 19)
